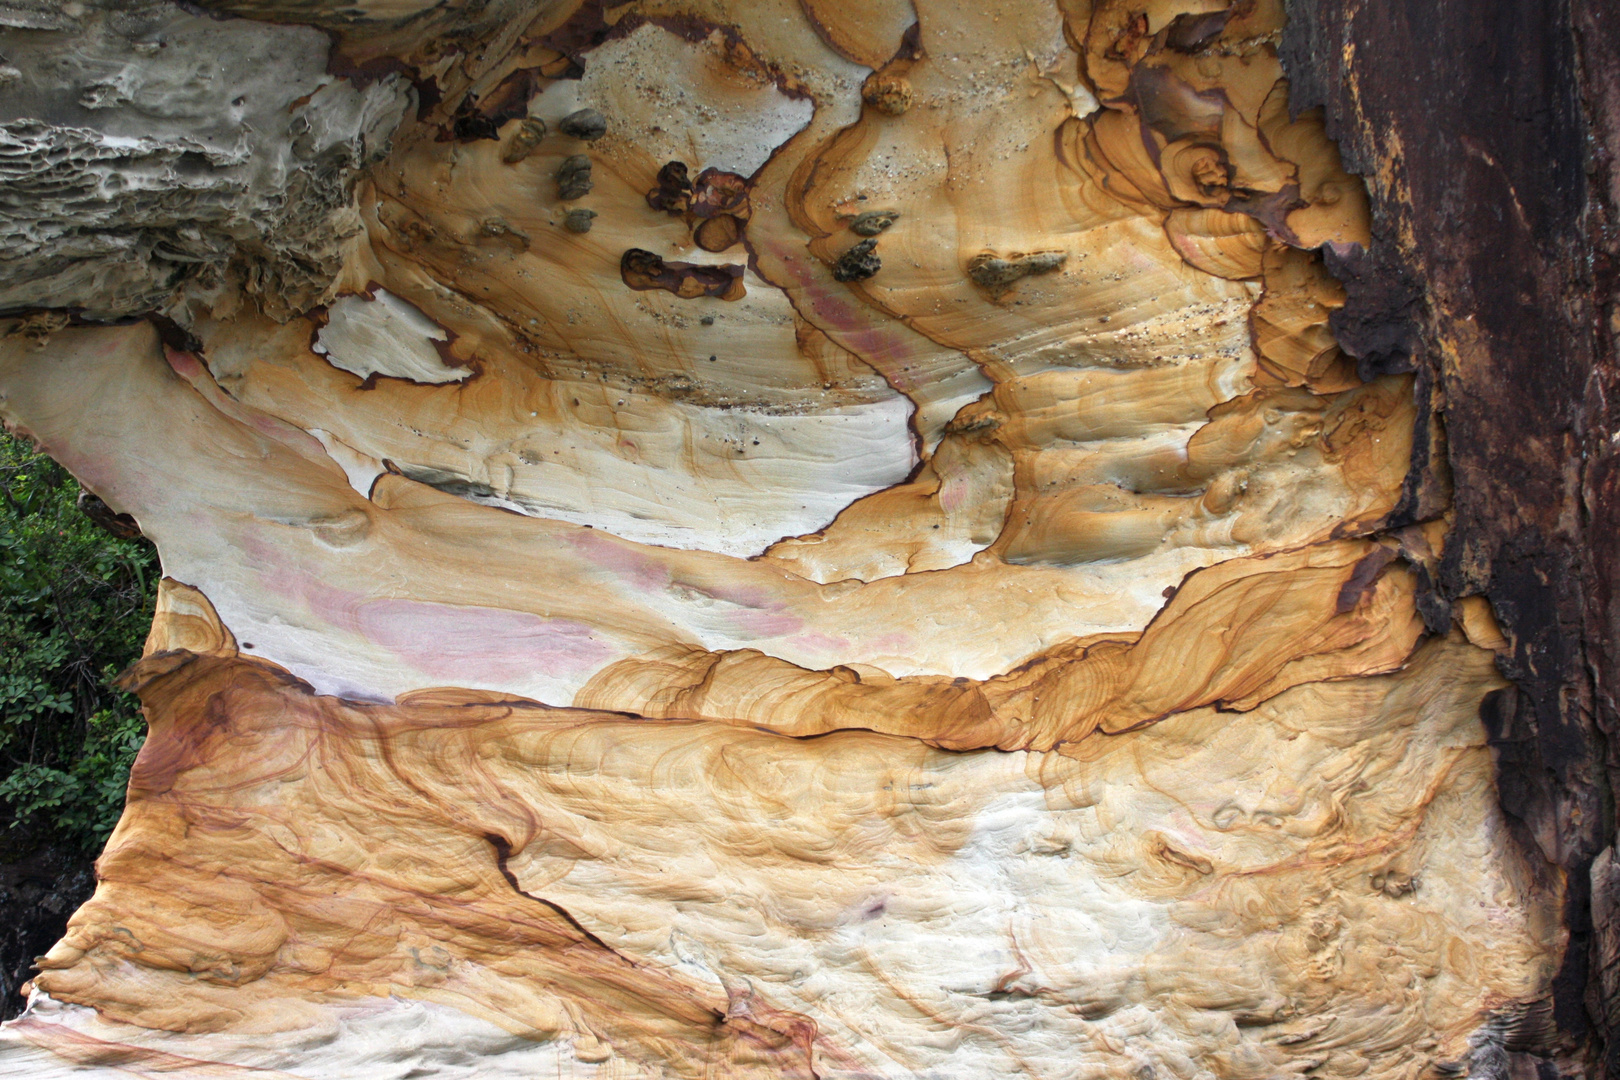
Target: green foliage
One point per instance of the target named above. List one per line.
(75, 604)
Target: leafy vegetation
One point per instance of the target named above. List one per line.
(75, 604)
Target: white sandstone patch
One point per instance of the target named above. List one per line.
(361, 469)
(679, 100)
(760, 476)
(376, 1039)
(385, 335)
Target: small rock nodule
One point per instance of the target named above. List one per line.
(530, 134)
(674, 191)
(586, 124)
(873, 222)
(891, 95)
(574, 177)
(579, 220)
(993, 272)
(858, 263)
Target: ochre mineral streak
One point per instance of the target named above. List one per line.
(786, 538)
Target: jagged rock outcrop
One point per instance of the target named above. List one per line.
(146, 151)
(787, 538)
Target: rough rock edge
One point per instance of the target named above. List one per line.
(1488, 132)
(161, 153)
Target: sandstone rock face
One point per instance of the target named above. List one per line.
(770, 538)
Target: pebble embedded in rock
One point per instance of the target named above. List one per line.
(891, 95)
(579, 220)
(586, 124)
(873, 222)
(993, 272)
(858, 263)
(574, 177)
(674, 190)
(530, 133)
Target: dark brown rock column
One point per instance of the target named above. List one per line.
(1487, 131)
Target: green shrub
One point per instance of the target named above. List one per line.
(75, 605)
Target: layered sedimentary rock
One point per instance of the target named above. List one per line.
(772, 538)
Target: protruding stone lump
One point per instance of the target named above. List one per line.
(574, 177)
(873, 222)
(858, 263)
(992, 272)
(674, 190)
(530, 133)
(586, 124)
(579, 220)
(891, 95)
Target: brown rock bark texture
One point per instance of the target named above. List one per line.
(1491, 160)
(800, 538)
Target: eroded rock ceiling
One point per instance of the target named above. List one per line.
(766, 538)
